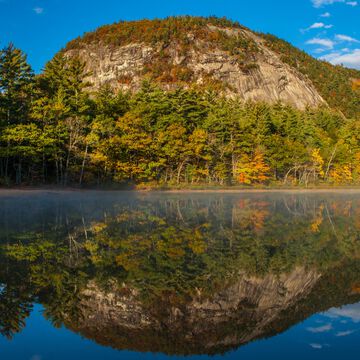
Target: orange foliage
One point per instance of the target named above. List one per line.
(341, 174)
(355, 84)
(355, 289)
(252, 170)
(157, 30)
(315, 225)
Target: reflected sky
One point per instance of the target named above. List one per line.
(330, 335)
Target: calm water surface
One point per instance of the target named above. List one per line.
(116, 275)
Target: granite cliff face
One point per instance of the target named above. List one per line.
(241, 312)
(253, 73)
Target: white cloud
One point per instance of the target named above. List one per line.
(316, 346)
(323, 42)
(38, 10)
(317, 25)
(325, 15)
(321, 3)
(349, 311)
(331, 57)
(344, 333)
(320, 329)
(319, 50)
(346, 38)
(351, 59)
(320, 25)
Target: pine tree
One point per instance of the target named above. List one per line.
(16, 79)
(65, 103)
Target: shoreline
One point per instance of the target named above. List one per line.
(54, 190)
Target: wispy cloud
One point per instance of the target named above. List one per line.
(321, 3)
(320, 329)
(319, 51)
(349, 59)
(316, 346)
(344, 55)
(325, 15)
(38, 10)
(348, 311)
(327, 43)
(344, 333)
(317, 25)
(320, 25)
(346, 38)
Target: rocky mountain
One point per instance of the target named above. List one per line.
(190, 51)
(246, 310)
(239, 313)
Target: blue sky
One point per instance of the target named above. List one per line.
(325, 28)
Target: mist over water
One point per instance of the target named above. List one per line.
(127, 275)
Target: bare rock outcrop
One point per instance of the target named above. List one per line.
(263, 77)
(239, 313)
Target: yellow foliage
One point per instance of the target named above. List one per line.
(98, 157)
(318, 162)
(127, 262)
(97, 227)
(197, 142)
(341, 174)
(355, 84)
(356, 166)
(315, 225)
(197, 243)
(252, 170)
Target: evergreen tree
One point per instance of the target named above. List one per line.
(16, 80)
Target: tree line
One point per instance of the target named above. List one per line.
(54, 130)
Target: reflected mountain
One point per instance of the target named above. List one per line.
(177, 274)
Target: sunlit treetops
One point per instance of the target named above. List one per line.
(186, 33)
(53, 130)
(153, 31)
(336, 84)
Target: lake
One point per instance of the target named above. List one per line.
(126, 275)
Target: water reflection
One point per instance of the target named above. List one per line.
(179, 273)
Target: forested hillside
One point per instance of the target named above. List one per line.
(336, 84)
(54, 128)
(187, 51)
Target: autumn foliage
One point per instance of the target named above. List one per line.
(52, 130)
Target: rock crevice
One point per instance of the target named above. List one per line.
(262, 77)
